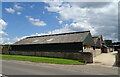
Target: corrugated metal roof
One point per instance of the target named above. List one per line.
(55, 38)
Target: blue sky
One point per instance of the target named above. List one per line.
(23, 19)
(19, 25)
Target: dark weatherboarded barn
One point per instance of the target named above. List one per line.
(65, 42)
(98, 45)
(97, 41)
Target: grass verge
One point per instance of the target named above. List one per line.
(42, 59)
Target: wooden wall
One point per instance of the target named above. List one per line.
(62, 47)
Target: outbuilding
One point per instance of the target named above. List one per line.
(97, 42)
(98, 45)
(65, 42)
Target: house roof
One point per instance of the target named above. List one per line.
(55, 38)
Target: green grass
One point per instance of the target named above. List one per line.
(42, 59)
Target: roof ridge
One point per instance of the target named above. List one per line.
(58, 34)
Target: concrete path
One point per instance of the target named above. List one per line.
(107, 59)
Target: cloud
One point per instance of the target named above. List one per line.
(16, 6)
(36, 22)
(14, 9)
(90, 4)
(3, 25)
(4, 40)
(40, 23)
(10, 10)
(32, 6)
(39, 34)
(19, 13)
(60, 22)
(100, 18)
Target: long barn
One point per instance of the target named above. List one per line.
(65, 42)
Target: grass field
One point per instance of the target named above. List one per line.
(42, 59)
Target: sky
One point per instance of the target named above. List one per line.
(25, 19)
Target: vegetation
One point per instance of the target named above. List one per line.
(42, 59)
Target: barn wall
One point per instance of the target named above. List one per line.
(63, 50)
(62, 47)
(5, 49)
(81, 56)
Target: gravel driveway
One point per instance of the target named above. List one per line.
(106, 59)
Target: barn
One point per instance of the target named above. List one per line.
(108, 44)
(73, 45)
(97, 42)
(65, 42)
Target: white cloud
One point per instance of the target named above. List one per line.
(60, 22)
(3, 25)
(36, 22)
(40, 23)
(18, 6)
(33, 20)
(10, 10)
(14, 9)
(19, 13)
(32, 6)
(4, 40)
(39, 34)
(100, 19)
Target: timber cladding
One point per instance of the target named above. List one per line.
(61, 47)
